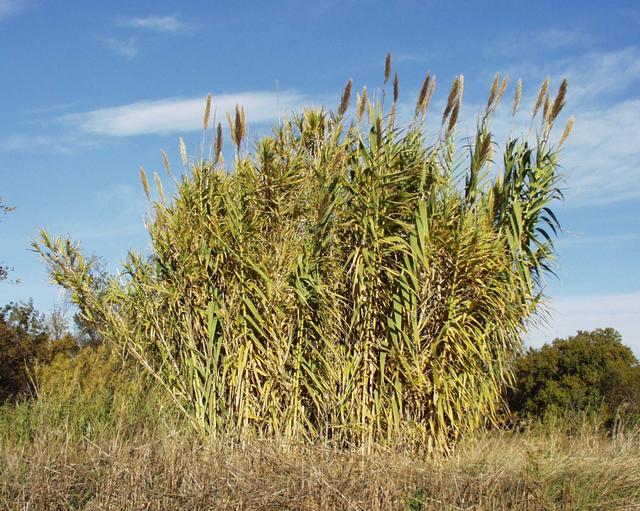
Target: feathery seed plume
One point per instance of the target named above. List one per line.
(567, 131)
(183, 153)
(165, 160)
(232, 129)
(456, 107)
(145, 183)
(516, 99)
(503, 88)
(451, 99)
(432, 88)
(541, 95)
(546, 109)
(559, 101)
(420, 103)
(240, 127)
(218, 144)
(493, 90)
(346, 96)
(361, 104)
(454, 118)
(207, 112)
(387, 67)
(156, 178)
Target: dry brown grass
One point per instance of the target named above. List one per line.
(148, 470)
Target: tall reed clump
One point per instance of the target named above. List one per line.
(345, 281)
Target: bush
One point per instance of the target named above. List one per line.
(24, 343)
(591, 372)
(90, 393)
(339, 283)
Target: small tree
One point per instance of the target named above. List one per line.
(589, 372)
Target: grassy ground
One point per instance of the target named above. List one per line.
(127, 465)
(101, 438)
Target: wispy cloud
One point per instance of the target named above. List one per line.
(181, 115)
(63, 143)
(10, 7)
(529, 42)
(570, 313)
(166, 24)
(597, 74)
(603, 156)
(127, 48)
(561, 38)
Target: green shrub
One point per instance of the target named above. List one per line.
(589, 373)
(24, 344)
(84, 395)
(345, 281)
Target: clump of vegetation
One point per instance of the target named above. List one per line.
(345, 281)
(25, 344)
(591, 372)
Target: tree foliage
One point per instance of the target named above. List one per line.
(25, 341)
(588, 372)
(347, 280)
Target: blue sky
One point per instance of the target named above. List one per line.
(90, 91)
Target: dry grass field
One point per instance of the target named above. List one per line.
(152, 469)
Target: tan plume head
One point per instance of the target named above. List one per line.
(165, 161)
(516, 99)
(159, 187)
(542, 94)
(183, 153)
(346, 97)
(422, 96)
(451, 99)
(567, 131)
(387, 67)
(207, 112)
(559, 101)
(218, 144)
(145, 183)
(493, 91)
(362, 104)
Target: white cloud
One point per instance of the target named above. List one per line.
(182, 115)
(572, 313)
(167, 24)
(127, 48)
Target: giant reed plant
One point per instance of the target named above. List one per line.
(344, 280)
